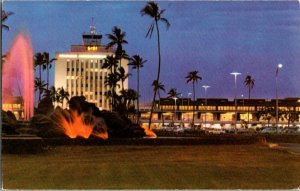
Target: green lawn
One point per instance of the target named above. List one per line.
(153, 167)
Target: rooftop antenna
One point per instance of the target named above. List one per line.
(92, 27)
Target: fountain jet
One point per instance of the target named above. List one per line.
(18, 75)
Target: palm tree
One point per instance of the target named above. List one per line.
(122, 75)
(111, 80)
(47, 64)
(110, 62)
(38, 62)
(4, 17)
(152, 10)
(137, 62)
(249, 81)
(39, 85)
(53, 94)
(117, 38)
(157, 87)
(62, 95)
(173, 93)
(193, 77)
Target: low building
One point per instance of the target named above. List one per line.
(15, 105)
(218, 110)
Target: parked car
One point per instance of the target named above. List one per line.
(178, 130)
(290, 130)
(269, 130)
(214, 130)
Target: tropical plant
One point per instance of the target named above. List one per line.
(62, 95)
(137, 62)
(52, 94)
(122, 75)
(125, 100)
(153, 11)
(193, 77)
(39, 62)
(39, 85)
(117, 38)
(5, 15)
(157, 87)
(249, 82)
(173, 93)
(47, 65)
(110, 62)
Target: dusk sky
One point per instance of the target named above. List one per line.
(213, 37)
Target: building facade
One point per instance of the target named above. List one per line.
(222, 111)
(80, 72)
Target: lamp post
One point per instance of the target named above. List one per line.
(189, 94)
(235, 74)
(277, 71)
(175, 98)
(181, 110)
(205, 89)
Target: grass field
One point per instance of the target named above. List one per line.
(153, 167)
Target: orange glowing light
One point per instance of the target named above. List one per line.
(102, 135)
(149, 133)
(75, 126)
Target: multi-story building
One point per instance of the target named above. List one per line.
(80, 71)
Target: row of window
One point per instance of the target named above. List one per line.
(11, 106)
(86, 64)
(220, 108)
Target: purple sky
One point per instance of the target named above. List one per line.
(215, 38)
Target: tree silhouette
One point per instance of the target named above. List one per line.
(137, 62)
(4, 17)
(249, 82)
(153, 11)
(193, 77)
(47, 65)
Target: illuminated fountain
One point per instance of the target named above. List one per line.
(85, 120)
(18, 75)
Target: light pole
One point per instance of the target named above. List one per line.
(243, 100)
(277, 71)
(181, 110)
(189, 94)
(175, 98)
(205, 89)
(235, 101)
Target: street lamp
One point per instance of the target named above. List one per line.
(175, 98)
(189, 94)
(277, 71)
(235, 101)
(243, 100)
(205, 89)
(181, 110)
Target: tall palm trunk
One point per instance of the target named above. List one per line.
(193, 125)
(249, 90)
(40, 75)
(47, 76)
(158, 72)
(138, 98)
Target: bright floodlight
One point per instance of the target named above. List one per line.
(279, 65)
(205, 86)
(235, 73)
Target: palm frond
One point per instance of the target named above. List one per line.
(166, 22)
(150, 30)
